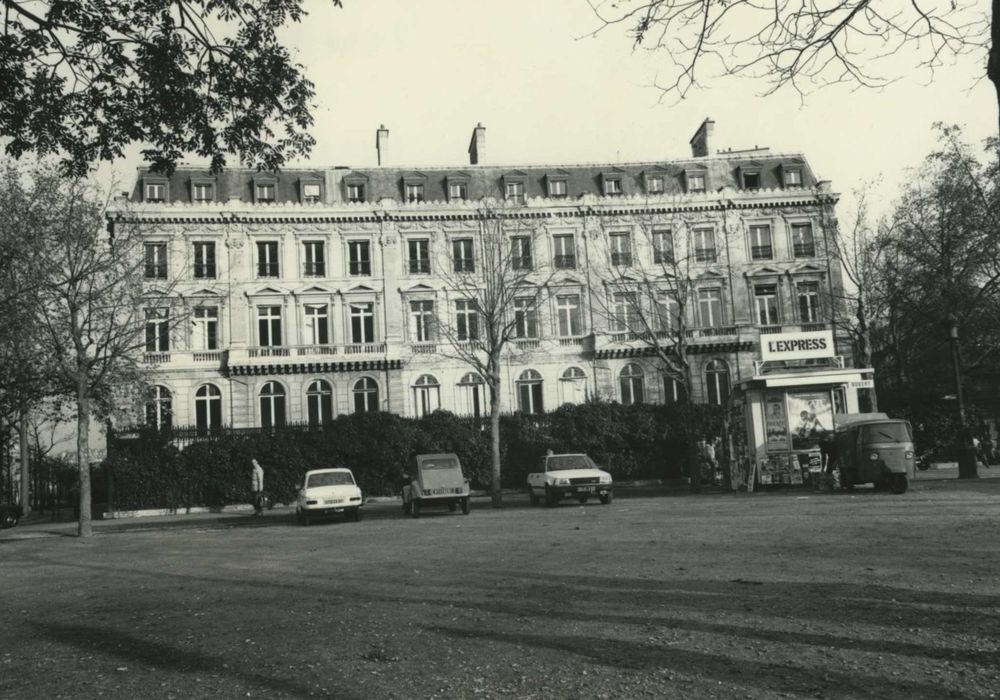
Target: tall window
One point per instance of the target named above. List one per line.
(710, 307)
(422, 321)
(520, 253)
(365, 395)
(419, 255)
(803, 245)
(663, 246)
(205, 335)
(362, 322)
(621, 249)
(704, 245)
(426, 395)
(568, 315)
(272, 405)
(415, 192)
(466, 320)
(319, 402)
(462, 255)
(359, 255)
(268, 326)
(630, 381)
(207, 409)
(356, 192)
(760, 243)
(793, 178)
(159, 408)
(624, 314)
(673, 390)
(156, 260)
(471, 395)
(315, 258)
(668, 311)
(573, 386)
(204, 260)
(525, 318)
(529, 392)
(807, 294)
(317, 324)
(565, 252)
(267, 258)
(765, 301)
(717, 382)
(157, 330)
(654, 184)
(515, 192)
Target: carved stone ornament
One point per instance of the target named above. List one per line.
(235, 242)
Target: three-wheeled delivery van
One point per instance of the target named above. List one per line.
(872, 448)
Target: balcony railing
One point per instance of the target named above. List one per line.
(565, 262)
(621, 259)
(307, 351)
(804, 250)
(766, 330)
(364, 349)
(424, 348)
(179, 357)
(527, 343)
(761, 252)
(572, 340)
(711, 332)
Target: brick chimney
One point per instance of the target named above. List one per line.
(382, 144)
(700, 140)
(477, 147)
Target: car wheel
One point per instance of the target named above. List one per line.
(357, 515)
(551, 499)
(465, 506)
(847, 481)
(8, 520)
(898, 483)
(415, 509)
(607, 498)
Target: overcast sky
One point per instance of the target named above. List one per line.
(548, 93)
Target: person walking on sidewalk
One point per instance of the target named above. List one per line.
(257, 486)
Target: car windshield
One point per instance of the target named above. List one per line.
(439, 463)
(329, 479)
(888, 432)
(559, 462)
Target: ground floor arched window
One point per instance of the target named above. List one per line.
(365, 395)
(272, 405)
(319, 402)
(207, 409)
(472, 395)
(630, 382)
(717, 382)
(426, 395)
(159, 408)
(573, 386)
(529, 392)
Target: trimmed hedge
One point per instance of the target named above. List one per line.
(630, 441)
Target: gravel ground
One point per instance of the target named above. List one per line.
(787, 594)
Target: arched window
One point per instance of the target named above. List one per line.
(631, 382)
(365, 395)
(717, 382)
(472, 396)
(159, 408)
(272, 405)
(207, 408)
(319, 402)
(426, 395)
(573, 386)
(529, 392)
(673, 390)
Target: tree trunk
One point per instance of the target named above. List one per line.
(993, 63)
(25, 464)
(495, 447)
(85, 528)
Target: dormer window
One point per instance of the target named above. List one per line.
(696, 182)
(515, 187)
(654, 184)
(414, 187)
(458, 191)
(751, 179)
(613, 187)
(356, 193)
(557, 188)
(154, 190)
(557, 184)
(265, 191)
(310, 191)
(202, 191)
(792, 177)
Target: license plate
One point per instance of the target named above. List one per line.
(331, 501)
(586, 489)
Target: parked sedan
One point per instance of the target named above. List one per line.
(327, 493)
(569, 476)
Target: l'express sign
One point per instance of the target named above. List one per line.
(796, 346)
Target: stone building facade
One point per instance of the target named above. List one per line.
(311, 293)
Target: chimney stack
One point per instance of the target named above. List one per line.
(382, 144)
(477, 147)
(700, 140)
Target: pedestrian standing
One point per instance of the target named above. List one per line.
(257, 486)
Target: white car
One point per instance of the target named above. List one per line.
(328, 492)
(569, 476)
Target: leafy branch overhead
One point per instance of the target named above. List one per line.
(85, 78)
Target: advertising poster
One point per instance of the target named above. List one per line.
(775, 423)
(810, 418)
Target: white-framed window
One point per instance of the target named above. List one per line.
(621, 249)
(717, 382)
(426, 395)
(472, 395)
(663, 246)
(673, 390)
(158, 330)
(515, 192)
(319, 402)
(529, 393)
(317, 324)
(458, 191)
(463, 255)
(761, 247)
(202, 191)
(613, 187)
(631, 383)
(803, 243)
(365, 393)
(311, 192)
(315, 258)
(807, 296)
(422, 328)
(765, 304)
(419, 255)
(205, 335)
(557, 188)
(710, 307)
(466, 320)
(695, 182)
(414, 192)
(654, 184)
(624, 312)
(356, 192)
(269, 326)
(359, 258)
(569, 316)
(362, 315)
(159, 408)
(155, 192)
(155, 259)
(525, 318)
(272, 405)
(573, 386)
(207, 409)
(704, 244)
(267, 259)
(265, 192)
(565, 251)
(520, 253)
(204, 260)
(792, 177)
(668, 310)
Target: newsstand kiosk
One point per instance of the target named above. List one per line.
(788, 406)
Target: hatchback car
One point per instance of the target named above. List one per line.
(435, 480)
(559, 477)
(326, 493)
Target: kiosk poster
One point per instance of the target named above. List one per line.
(810, 418)
(776, 423)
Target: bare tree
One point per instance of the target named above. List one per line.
(805, 44)
(495, 292)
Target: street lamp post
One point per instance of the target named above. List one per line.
(967, 467)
